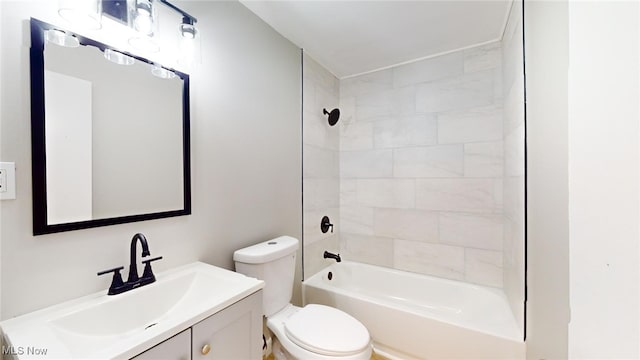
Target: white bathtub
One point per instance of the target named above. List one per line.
(417, 316)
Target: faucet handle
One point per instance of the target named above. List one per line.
(117, 285)
(325, 224)
(147, 275)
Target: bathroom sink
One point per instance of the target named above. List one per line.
(121, 326)
(133, 311)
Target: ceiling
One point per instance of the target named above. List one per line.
(354, 37)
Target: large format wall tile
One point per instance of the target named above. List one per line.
(348, 192)
(434, 259)
(483, 57)
(321, 165)
(406, 224)
(422, 161)
(318, 194)
(389, 193)
(366, 164)
(393, 102)
(373, 82)
(415, 130)
(483, 267)
(469, 230)
(356, 135)
(357, 219)
(367, 249)
(470, 125)
(483, 159)
(444, 161)
(466, 195)
(460, 92)
(320, 162)
(514, 152)
(431, 69)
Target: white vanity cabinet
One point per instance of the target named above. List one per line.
(187, 308)
(234, 333)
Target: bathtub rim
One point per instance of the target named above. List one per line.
(316, 281)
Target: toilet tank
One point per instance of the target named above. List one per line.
(274, 262)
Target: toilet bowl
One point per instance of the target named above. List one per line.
(312, 332)
(318, 332)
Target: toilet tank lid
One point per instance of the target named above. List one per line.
(266, 251)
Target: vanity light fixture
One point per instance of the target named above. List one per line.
(162, 73)
(144, 19)
(118, 57)
(84, 13)
(187, 29)
(61, 38)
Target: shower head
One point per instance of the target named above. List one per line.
(334, 115)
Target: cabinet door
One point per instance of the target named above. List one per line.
(175, 348)
(234, 333)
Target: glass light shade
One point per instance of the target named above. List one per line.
(118, 57)
(188, 31)
(61, 38)
(162, 73)
(143, 17)
(86, 14)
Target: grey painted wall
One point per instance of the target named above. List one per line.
(246, 162)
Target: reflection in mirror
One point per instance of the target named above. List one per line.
(115, 144)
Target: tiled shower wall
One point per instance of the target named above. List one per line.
(321, 172)
(513, 128)
(421, 166)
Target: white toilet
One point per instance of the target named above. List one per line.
(314, 332)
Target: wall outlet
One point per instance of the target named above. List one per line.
(7, 181)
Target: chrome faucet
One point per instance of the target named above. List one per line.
(134, 281)
(328, 255)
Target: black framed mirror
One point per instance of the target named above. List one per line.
(110, 139)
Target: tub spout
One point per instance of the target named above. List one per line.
(328, 255)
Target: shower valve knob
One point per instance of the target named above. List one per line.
(325, 224)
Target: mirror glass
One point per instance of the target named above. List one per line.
(114, 137)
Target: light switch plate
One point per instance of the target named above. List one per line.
(7, 181)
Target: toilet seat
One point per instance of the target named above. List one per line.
(327, 331)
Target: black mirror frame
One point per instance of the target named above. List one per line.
(38, 142)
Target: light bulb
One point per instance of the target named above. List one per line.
(143, 21)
